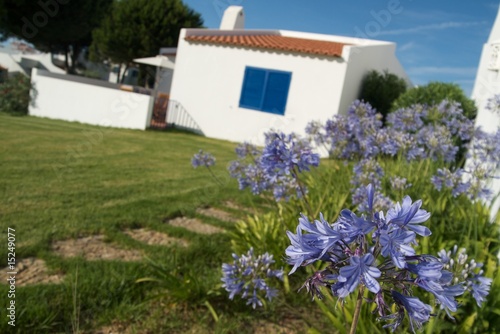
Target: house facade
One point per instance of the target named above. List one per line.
(237, 84)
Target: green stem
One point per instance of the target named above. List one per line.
(215, 177)
(303, 192)
(357, 311)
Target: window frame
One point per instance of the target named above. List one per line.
(264, 90)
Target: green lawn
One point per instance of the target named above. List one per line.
(63, 180)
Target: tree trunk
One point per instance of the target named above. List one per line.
(74, 57)
(66, 63)
(118, 75)
(124, 71)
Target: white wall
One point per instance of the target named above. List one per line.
(361, 60)
(487, 84)
(208, 80)
(76, 99)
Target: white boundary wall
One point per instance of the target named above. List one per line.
(89, 101)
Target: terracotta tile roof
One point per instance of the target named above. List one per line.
(274, 42)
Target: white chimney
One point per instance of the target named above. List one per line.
(233, 18)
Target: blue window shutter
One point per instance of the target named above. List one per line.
(265, 90)
(276, 92)
(252, 92)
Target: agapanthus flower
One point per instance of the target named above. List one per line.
(203, 159)
(408, 215)
(451, 115)
(468, 272)
(493, 104)
(316, 133)
(302, 250)
(285, 153)
(407, 120)
(369, 172)
(359, 270)
(437, 142)
(483, 162)
(454, 181)
(418, 312)
(277, 167)
(247, 149)
(321, 234)
(399, 183)
(396, 244)
(375, 251)
(352, 227)
(249, 275)
(481, 289)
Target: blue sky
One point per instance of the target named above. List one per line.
(438, 40)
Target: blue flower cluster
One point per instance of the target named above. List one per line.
(483, 163)
(202, 159)
(249, 275)
(493, 104)
(277, 167)
(437, 132)
(468, 272)
(376, 251)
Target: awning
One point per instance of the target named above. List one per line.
(158, 61)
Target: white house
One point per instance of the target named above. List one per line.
(487, 85)
(19, 57)
(236, 84)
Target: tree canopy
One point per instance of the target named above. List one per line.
(53, 25)
(139, 28)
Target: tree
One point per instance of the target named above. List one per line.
(435, 92)
(381, 89)
(53, 25)
(139, 28)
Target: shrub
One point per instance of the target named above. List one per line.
(432, 94)
(15, 95)
(381, 89)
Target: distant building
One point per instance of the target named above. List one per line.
(487, 81)
(235, 84)
(20, 57)
(487, 85)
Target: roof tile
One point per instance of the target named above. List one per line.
(274, 42)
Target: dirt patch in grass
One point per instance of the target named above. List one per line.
(194, 225)
(264, 327)
(30, 271)
(151, 237)
(94, 248)
(236, 206)
(217, 214)
(117, 328)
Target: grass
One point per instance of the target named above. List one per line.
(65, 180)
